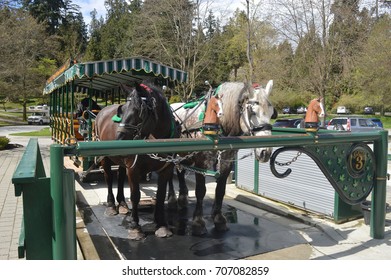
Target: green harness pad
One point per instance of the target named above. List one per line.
(190, 105)
(116, 119)
(201, 116)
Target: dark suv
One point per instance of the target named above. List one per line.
(295, 123)
(353, 124)
(368, 110)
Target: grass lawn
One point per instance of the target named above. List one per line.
(43, 132)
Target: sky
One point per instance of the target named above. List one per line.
(223, 6)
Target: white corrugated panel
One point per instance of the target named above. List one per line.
(245, 170)
(306, 187)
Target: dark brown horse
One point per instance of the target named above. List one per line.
(247, 111)
(146, 114)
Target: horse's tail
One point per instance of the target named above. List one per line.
(96, 126)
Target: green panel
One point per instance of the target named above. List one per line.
(37, 213)
(69, 196)
(344, 212)
(349, 168)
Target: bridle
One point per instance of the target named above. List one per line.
(247, 108)
(148, 107)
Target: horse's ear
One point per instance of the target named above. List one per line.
(269, 87)
(125, 88)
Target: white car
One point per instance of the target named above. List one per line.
(342, 110)
(39, 118)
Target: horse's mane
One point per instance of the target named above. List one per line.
(232, 94)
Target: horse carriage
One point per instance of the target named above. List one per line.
(146, 114)
(136, 130)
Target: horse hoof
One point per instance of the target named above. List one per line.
(220, 223)
(163, 232)
(198, 227)
(123, 208)
(136, 234)
(198, 231)
(111, 211)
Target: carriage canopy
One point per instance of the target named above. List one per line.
(108, 74)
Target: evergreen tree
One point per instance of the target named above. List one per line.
(48, 12)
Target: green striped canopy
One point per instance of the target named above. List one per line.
(109, 74)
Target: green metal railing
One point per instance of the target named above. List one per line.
(59, 222)
(49, 214)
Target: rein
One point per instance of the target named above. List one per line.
(250, 126)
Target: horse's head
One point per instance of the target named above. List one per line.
(218, 107)
(214, 110)
(315, 110)
(256, 115)
(139, 117)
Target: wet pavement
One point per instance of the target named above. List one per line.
(250, 232)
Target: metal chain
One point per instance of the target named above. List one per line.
(219, 160)
(172, 159)
(289, 162)
(177, 161)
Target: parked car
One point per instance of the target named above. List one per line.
(368, 110)
(39, 118)
(377, 121)
(287, 110)
(353, 124)
(342, 110)
(301, 110)
(292, 123)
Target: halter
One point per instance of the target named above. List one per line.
(250, 125)
(126, 128)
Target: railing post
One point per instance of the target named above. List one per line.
(64, 214)
(378, 206)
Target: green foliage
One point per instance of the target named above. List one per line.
(294, 99)
(3, 142)
(175, 99)
(372, 73)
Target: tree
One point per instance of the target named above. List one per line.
(48, 12)
(93, 50)
(63, 19)
(72, 37)
(115, 38)
(234, 38)
(373, 71)
(25, 47)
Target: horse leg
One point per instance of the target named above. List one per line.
(171, 199)
(218, 218)
(122, 205)
(111, 209)
(135, 232)
(183, 190)
(198, 224)
(160, 220)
